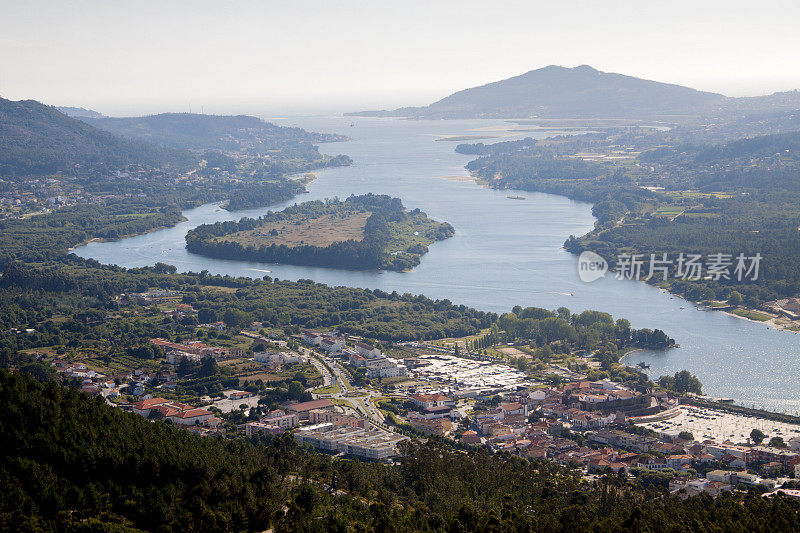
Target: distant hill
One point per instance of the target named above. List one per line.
(76, 112)
(39, 139)
(203, 132)
(584, 92)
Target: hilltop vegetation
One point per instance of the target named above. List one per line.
(205, 132)
(361, 232)
(37, 139)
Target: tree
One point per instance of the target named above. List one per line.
(208, 367)
(186, 366)
(40, 371)
(681, 382)
(757, 436)
(777, 442)
(686, 435)
(735, 298)
(235, 317)
(687, 382)
(206, 316)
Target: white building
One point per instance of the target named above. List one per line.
(370, 352)
(384, 368)
(332, 344)
(373, 445)
(283, 421)
(311, 337)
(277, 357)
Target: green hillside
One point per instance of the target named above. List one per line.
(38, 139)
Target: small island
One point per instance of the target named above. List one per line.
(360, 233)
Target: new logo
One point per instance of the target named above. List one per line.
(591, 266)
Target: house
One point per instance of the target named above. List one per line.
(652, 463)
(371, 445)
(722, 476)
(470, 437)
(676, 462)
(357, 360)
(383, 368)
(535, 451)
(276, 358)
(744, 478)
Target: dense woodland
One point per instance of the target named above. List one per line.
(386, 222)
(71, 463)
(68, 300)
(739, 196)
(38, 139)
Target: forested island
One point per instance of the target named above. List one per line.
(362, 232)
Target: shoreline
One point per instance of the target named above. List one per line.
(72, 249)
(774, 321)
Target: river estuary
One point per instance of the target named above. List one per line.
(506, 251)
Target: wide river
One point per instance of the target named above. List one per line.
(505, 252)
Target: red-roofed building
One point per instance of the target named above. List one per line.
(191, 417)
(304, 408)
(430, 401)
(470, 437)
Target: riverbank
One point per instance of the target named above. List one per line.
(127, 236)
(774, 321)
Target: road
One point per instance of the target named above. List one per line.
(363, 405)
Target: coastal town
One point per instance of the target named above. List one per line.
(355, 398)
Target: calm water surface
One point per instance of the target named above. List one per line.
(505, 252)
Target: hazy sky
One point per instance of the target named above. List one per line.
(120, 56)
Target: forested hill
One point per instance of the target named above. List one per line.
(39, 139)
(195, 131)
(568, 92)
(70, 463)
(584, 92)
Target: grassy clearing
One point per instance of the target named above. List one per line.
(321, 231)
(752, 315)
(330, 389)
